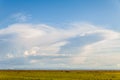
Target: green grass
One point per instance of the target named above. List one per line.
(58, 75)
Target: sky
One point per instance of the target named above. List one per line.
(59, 34)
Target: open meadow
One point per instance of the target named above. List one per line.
(59, 75)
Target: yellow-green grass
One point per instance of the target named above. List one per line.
(59, 75)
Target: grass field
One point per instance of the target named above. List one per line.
(58, 75)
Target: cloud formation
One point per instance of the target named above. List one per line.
(37, 45)
(21, 17)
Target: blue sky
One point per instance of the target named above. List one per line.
(62, 34)
(104, 12)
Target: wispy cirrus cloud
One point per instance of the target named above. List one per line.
(21, 17)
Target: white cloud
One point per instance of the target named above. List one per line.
(109, 42)
(44, 43)
(49, 50)
(9, 56)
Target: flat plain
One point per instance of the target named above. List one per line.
(59, 75)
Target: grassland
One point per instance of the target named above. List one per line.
(58, 75)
